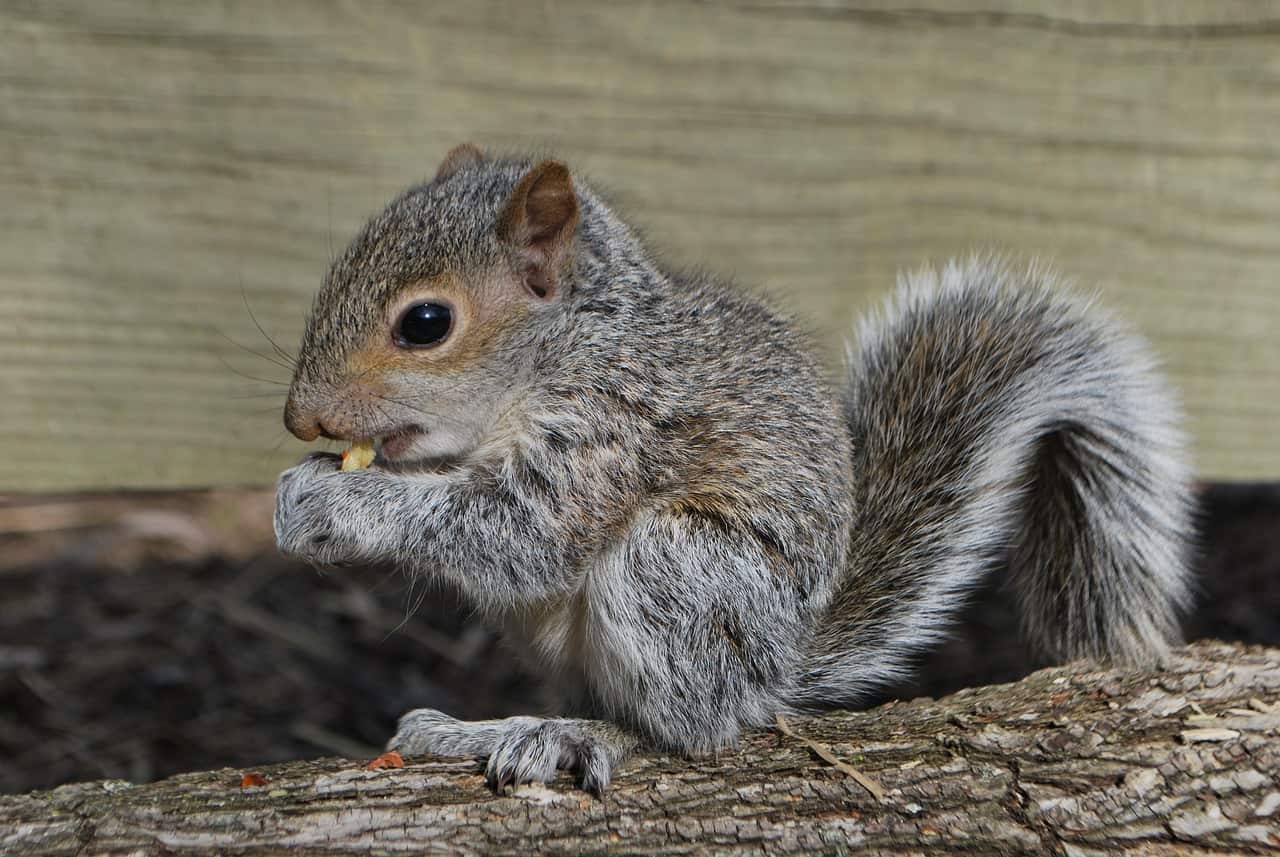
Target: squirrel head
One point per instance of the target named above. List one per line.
(425, 325)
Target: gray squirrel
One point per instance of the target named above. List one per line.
(647, 482)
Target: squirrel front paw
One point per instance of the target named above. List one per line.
(319, 515)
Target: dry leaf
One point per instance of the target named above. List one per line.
(386, 760)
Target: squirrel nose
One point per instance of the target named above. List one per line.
(302, 424)
(302, 417)
(313, 411)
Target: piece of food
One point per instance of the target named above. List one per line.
(359, 456)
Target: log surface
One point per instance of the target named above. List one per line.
(168, 167)
(1068, 761)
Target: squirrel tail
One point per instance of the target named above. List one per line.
(994, 418)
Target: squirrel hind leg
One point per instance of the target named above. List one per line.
(1099, 565)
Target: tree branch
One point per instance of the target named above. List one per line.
(1070, 760)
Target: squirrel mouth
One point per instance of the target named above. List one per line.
(395, 444)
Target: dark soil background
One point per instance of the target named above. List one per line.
(150, 634)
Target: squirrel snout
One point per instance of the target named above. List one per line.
(302, 423)
(302, 417)
(310, 414)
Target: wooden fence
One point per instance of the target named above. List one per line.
(166, 168)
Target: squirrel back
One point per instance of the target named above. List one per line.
(994, 417)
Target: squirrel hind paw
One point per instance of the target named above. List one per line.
(532, 750)
(519, 750)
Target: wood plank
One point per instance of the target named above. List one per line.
(162, 167)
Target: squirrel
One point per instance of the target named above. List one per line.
(646, 480)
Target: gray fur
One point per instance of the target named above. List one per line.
(660, 500)
(996, 417)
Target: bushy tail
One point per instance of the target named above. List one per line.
(995, 418)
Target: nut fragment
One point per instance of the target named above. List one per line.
(359, 456)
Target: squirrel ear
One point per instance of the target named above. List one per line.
(465, 155)
(539, 220)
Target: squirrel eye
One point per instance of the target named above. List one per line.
(424, 324)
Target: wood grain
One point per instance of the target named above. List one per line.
(166, 167)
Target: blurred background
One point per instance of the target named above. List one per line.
(176, 177)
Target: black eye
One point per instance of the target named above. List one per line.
(424, 324)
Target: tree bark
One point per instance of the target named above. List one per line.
(1072, 760)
